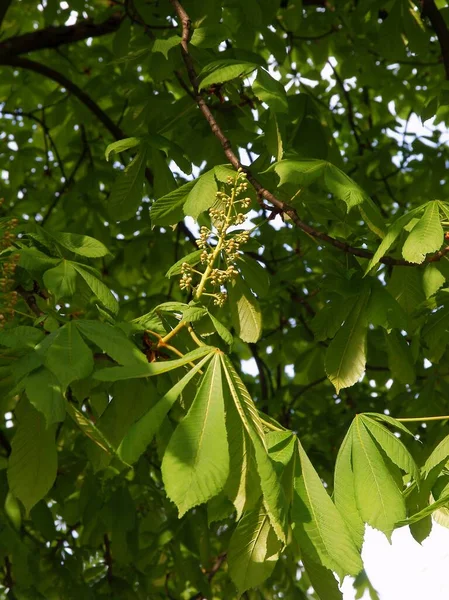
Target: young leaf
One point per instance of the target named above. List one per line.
(45, 394)
(196, 462)
(141, 433)
(68, 356)
(253, 550)
(168, 210)
(319, 527)
(427, 236)
(246, 315)
(33, 460)
(346, 354)
(98, 288)
(379, 500)
(127, 191)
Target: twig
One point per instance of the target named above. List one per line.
(108, 556)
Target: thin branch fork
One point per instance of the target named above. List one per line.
(280, 206)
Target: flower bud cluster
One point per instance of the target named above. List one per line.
(217, 244)
(8, 266)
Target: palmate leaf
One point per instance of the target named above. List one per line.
(392, 446)
(253, 550)
(61, 280)
(426, 236)
(346, 354)
(319, 527)
(83, 245)
(379, 500)
(98, 288)
(33, 461)
(322, 580)
(195, 466)
(274, 497)
(400, 359)
(271, 91)
(221, 71)
(140, 434)
(168, 210)
(202, 196)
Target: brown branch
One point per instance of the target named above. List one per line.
(430, 10)
(30, 300)
(53, 37)
(280, 206)
(108, 556)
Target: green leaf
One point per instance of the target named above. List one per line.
(33, 460)
(438, 456)
(99, 289)
(443, 501)
(121, 146)
(45, 394)
(127, 191)
(432, 280)
(319, 527)
(246, 315)
(210, 36)
(400, 359)
(346, 354)
(392, 446)
(113, 341)
(273, 493)
(83, 245)
(20, 337)
(61, 280)
(150, 369)
(343, 187)
(435, 333)
(89, 429)
(68, 356)
(271, 91)
(344, 492)
(322, 580)
(191, 259)
(202, 196)
(164, 46)
(391, 236)
(426, 236)
(221, 71)
(222, 331)
(255, 275)
(196, 462)
(379, 500)
(141, 433)
(194, 313)
(253, 550)
(168, 210)
(300, 172)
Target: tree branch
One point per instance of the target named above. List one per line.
(280, 206)
(4, 9)
(430, 10)
(31, 65)
(53, 37)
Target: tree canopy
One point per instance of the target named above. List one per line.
(188, 186)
